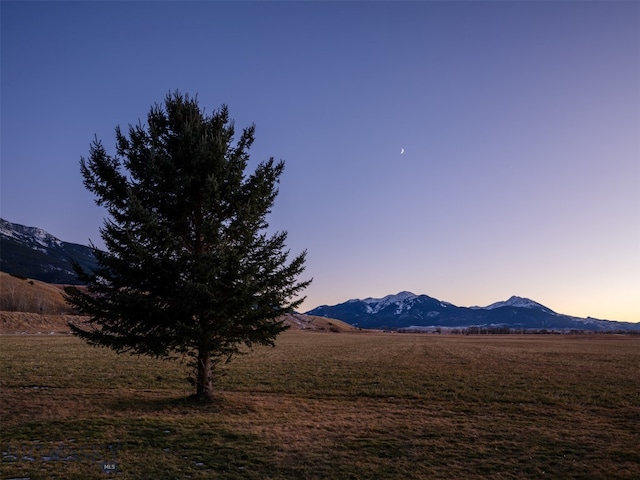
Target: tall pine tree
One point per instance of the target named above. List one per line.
(189, 269)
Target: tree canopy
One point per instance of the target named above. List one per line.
(189, 267)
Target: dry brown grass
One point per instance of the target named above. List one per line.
(31, 307)
(317, 324)
(32, 296)
(12, 323)
(331, 406)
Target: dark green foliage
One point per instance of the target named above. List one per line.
(189, 268)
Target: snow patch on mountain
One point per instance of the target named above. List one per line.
(36, 237)
(31, 252)
(374, 305)
(398, 297)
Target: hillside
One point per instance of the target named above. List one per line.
(312, 323)
(33, 261)
(32, 306)
(31, 252)
(31, 296)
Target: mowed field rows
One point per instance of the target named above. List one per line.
(324, 406)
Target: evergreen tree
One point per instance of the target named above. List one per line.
(189, 269)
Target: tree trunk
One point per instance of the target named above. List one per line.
(204, 380)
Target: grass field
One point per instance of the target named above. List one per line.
(319, 405)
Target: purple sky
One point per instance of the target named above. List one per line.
(520, 123)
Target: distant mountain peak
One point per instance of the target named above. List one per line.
(398, 297)
(518, 302)
(401, 301)
(33, 253)
(34, 235)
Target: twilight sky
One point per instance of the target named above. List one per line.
(520, 124)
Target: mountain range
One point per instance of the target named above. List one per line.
(31, 252)
(407, 310)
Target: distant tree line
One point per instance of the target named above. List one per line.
(505, 330)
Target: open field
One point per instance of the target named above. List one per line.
(321, 405)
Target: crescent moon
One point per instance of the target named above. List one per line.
(401, 151)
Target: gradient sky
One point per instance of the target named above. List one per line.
(520, 123)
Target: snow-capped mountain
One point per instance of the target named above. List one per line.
(33, 253)
(392, 311)
(34, 236)
(406, 309)
(518, 302)
(398, 297)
